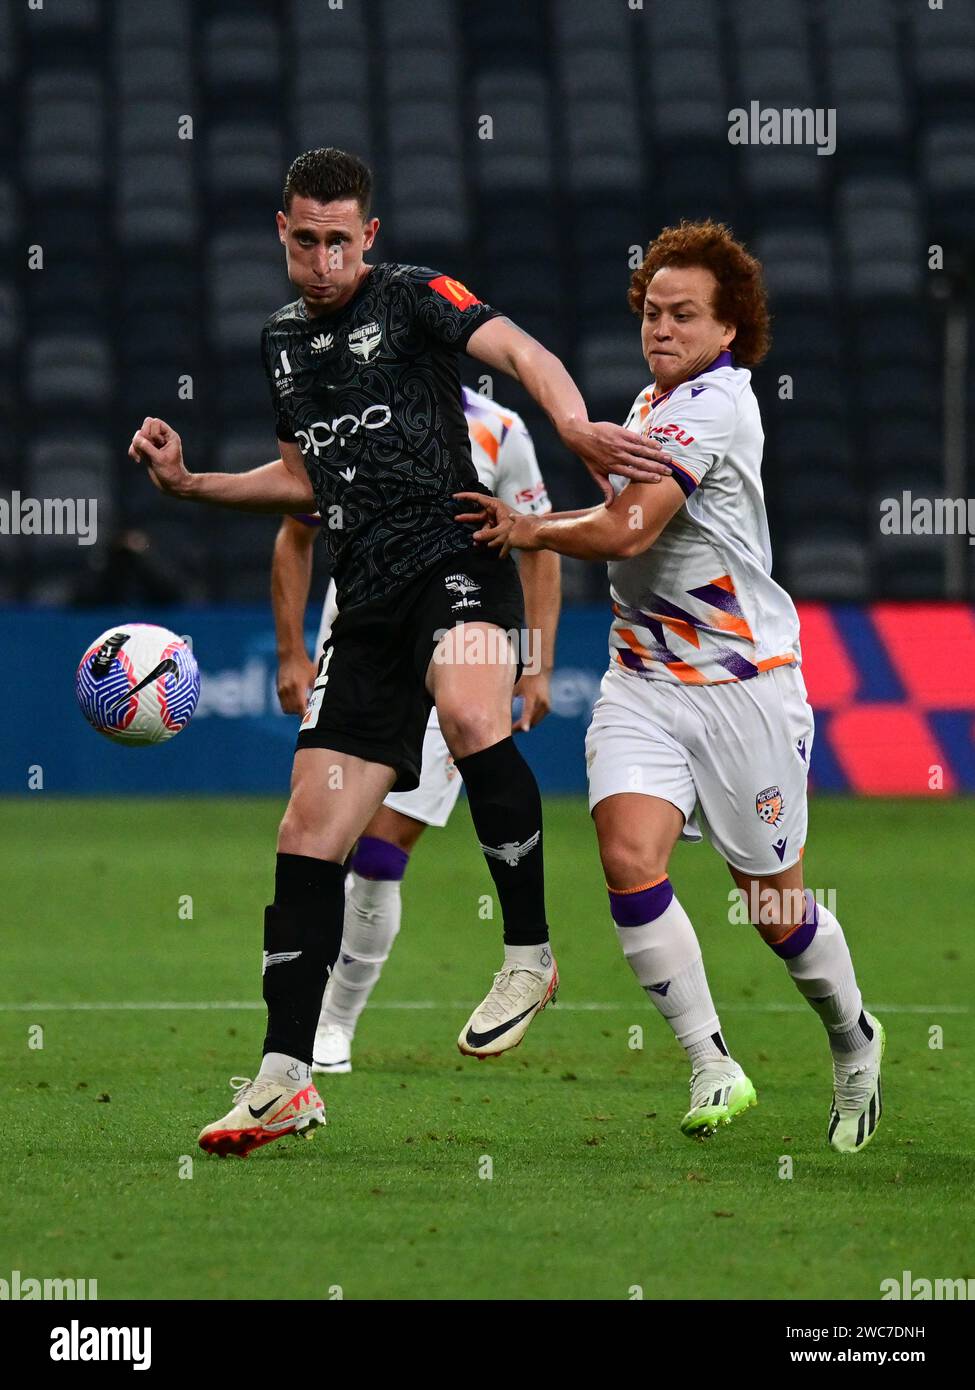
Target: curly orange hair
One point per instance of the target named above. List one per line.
(740, 298)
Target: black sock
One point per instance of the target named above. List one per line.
(507, 813)
(302, 937)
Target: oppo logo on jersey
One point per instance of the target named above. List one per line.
(322, 435)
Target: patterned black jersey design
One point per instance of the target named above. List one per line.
(371, 395)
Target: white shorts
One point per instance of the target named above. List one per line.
(440, 782)
(733, 758)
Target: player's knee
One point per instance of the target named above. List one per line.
(773, 908)
(628, 864)
(301, 821)
(468, 730)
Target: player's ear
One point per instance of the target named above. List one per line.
(282, 222)
(728, 337)
(369, 230)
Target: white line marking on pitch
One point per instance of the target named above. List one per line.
(576, 1006)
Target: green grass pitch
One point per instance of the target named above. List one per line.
(594, 1190)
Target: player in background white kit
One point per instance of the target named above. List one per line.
(504, 457)
(702, 720)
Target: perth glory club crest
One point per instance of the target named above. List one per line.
(768, 804)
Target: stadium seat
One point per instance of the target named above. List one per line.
(518, 155)
(819, 490)
(241, 57)
(423, 22)
(692, 24)
(943, 51)
(798, 266)
(9, 54)
(684, 99)
(246, 282)
(426, 204)
(782, 73)
(603, 147)
(948, 164)
(865, 85)
(10, 326)
(423, 125)
(598, 73)
(771, 22)
(244, 160)
(804, 336)
(585, 24)
(884, 255)
(507, 31)
(164, 20)
(891, 331)
(345, 122)
(68, 19)
(156, 199)
(611, 371)
(172, 74)
(68, 370)
(784, 177)
(65, 132)
(870, 21)
(74, 464)
(427, 74)
(826, 569)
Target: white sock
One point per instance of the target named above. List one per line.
(373, 910)
(531, 957)
(665, 956)
(279, 1067)
(823, 974)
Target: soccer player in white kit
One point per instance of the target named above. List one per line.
(504, 457)
(702, 723)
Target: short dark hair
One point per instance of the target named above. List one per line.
(740, 298)
(327, 175)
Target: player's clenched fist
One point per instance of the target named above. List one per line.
(296, 676)
(159, 447)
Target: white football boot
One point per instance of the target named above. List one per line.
(333, 1049)
(720, 1090)
(857, 1098)
(263, 1110)
(501, 1020)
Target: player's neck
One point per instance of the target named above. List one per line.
(318, 311)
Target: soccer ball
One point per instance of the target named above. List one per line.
(138, 684)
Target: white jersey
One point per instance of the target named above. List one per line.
(504, 457)
(699, 607)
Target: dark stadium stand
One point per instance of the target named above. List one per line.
(153, 140)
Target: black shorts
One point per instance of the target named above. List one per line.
(369, 697)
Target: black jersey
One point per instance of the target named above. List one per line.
(371, 395)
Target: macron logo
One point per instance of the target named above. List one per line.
(696, 390)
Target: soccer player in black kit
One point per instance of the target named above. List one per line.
(371, 432)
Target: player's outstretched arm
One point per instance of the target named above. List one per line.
(623, 528)
(604, 448)
(281, 486)
(291, 568)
